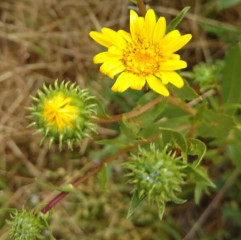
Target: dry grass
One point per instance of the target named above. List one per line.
(48, 39)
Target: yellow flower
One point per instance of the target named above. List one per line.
(144, 54)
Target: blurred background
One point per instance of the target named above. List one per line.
(43, 40)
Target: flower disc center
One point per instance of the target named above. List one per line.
(142, 58)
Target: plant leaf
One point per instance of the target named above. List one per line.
(196, 147)
(100, 108)
(231, 81)
(174, 23)
(129, 128)
(135, 202)
(234, 151)
(161, 209)
(222, 4)
(187, 92)
(149, 116)
(67, 188)
(201, 180)
(212, 124)
(104, 176)
(176, 138)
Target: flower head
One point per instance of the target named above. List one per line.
(144, 54)
(63, 113)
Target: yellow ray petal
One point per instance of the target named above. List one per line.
(100, 38)
(175, 56)
(171, 36)
(125, 35)
(172, 65)
(113, 50)
(118, 69)
(107, 67)
(104, 57)
(178, 44)
(159, 30)
(150, 23)
(173, 77)
(140, 29)
(123, 82)
(156, 85)
(164, 81)
(100, 57)
(115, 38)
(133, 24)
(137, 83)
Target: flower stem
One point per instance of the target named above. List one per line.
(139, 110)
(142, 7)
(94, 170)
(134, 113)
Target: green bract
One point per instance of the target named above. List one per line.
(63, 113)
(157, 175)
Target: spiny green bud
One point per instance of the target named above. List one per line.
(157, 175)
(25, 226)
(63, 113)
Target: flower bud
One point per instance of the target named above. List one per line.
(157, 175)
(63, 113)
(25, 226)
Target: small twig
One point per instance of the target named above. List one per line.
(93, 171)
(213, 205)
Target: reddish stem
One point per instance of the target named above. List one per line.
(94, 170)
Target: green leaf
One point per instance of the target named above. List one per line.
(231, 81)
(198, 192)
(148, 97)
(234, 151)
(212, 124)
(196, 147)
(186, 92)
(119, 142)
(149, 116)
(67, 188)
(100, 108)
(174, 122)
(167, 122)
(161, 209)
(201, 180)
(174, 23)
(129, 129)
(201, 175)
(104, 176)
(227, 3)
(135, 203)
(175, 138)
